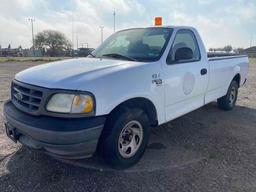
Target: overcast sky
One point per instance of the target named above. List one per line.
(219, 22)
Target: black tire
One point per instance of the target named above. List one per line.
(228, 101)
(110, 138)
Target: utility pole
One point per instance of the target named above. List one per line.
(114, 15)
(251, 40)
(77, 42)
(32, 20)
(101, 32)
(72, 34)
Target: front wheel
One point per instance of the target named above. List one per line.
(125, 137)
(228, 101)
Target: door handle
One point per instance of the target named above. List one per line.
(203, 71)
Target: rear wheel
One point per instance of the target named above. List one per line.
(228, 101)
(125, 137)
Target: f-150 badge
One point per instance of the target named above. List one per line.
(156, 79)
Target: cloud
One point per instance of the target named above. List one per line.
(13, 33)
(246, 11)
(232, 23)
(205, 2)
(219, 22)
(87, 17)
(214, 33)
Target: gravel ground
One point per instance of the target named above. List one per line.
(206, 150)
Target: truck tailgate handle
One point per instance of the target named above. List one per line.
(203, 71)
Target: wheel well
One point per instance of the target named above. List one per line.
(237, 78)
(145, 104)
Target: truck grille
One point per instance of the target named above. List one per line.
(26, 97)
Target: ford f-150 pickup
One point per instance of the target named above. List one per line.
(108, 103)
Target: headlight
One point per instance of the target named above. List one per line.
(70, 103)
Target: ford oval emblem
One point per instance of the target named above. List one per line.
(19, 96)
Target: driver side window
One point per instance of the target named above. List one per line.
(184, 43)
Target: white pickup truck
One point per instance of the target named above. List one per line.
(136, 80)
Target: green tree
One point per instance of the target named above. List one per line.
(228, 48)
(53, 42)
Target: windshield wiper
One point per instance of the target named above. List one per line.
(116, 55)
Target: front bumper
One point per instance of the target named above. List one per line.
(69, 138)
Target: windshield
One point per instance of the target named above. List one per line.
(135, 44)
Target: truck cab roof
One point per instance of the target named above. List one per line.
(164, 26)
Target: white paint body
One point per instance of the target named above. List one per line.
(112, 82)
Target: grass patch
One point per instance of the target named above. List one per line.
(31, 59)
(252, 60)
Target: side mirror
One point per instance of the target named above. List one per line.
(183, 53)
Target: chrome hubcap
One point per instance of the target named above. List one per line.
(130, 139)
(232, 95)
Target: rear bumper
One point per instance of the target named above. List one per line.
(73, 138)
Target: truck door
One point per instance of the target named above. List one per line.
(186, 75)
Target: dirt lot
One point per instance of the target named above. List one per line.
(206, 150)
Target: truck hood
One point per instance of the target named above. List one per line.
(68, 74)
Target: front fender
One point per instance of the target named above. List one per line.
(158, 105)
(114, 88)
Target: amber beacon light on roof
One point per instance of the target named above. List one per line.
(158, 21)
